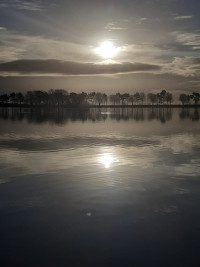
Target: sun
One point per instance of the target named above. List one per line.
(106, 160)
(107, 50)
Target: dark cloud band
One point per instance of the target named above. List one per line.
(72, 68)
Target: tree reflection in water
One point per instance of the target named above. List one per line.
(187, 113)
(61, 116)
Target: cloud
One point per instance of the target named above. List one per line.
(185, 66)
(182, 17)
(27, 67)
(126, 82)
(15, 46)
(22, 5)
(110, 26)
(189, 39)
(141, 20)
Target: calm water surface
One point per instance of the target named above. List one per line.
(100, 187)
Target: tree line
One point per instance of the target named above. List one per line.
(60, 97)
(186, 99)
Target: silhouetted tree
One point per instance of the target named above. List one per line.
(119, 96)
(114, 99)
(99, 97)
(20, 97)
(78, 99)
(58, 96)
(39, 97)
(126, 97)
(185, 99)
(91, 98)
(123, 97)
(142, 97)
(73, 98)
(131, 99)
(168, 98)
(4, 98)
(161, 97)
(105, 99)
(195, 97)
(137, 98)
(82, 98)
(29, 98)
(152, 98)
(12, 97)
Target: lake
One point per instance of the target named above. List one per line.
(100, 187)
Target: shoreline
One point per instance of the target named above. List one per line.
(6, 105)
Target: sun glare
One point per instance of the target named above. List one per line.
(106, 160)
(107, 50)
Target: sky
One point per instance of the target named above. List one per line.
(109, 46)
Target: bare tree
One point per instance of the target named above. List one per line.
(19, 97)
(142, 97)
(99, 97)
(152, 98)
(185, 99)
(131, 99)
(168, 98)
